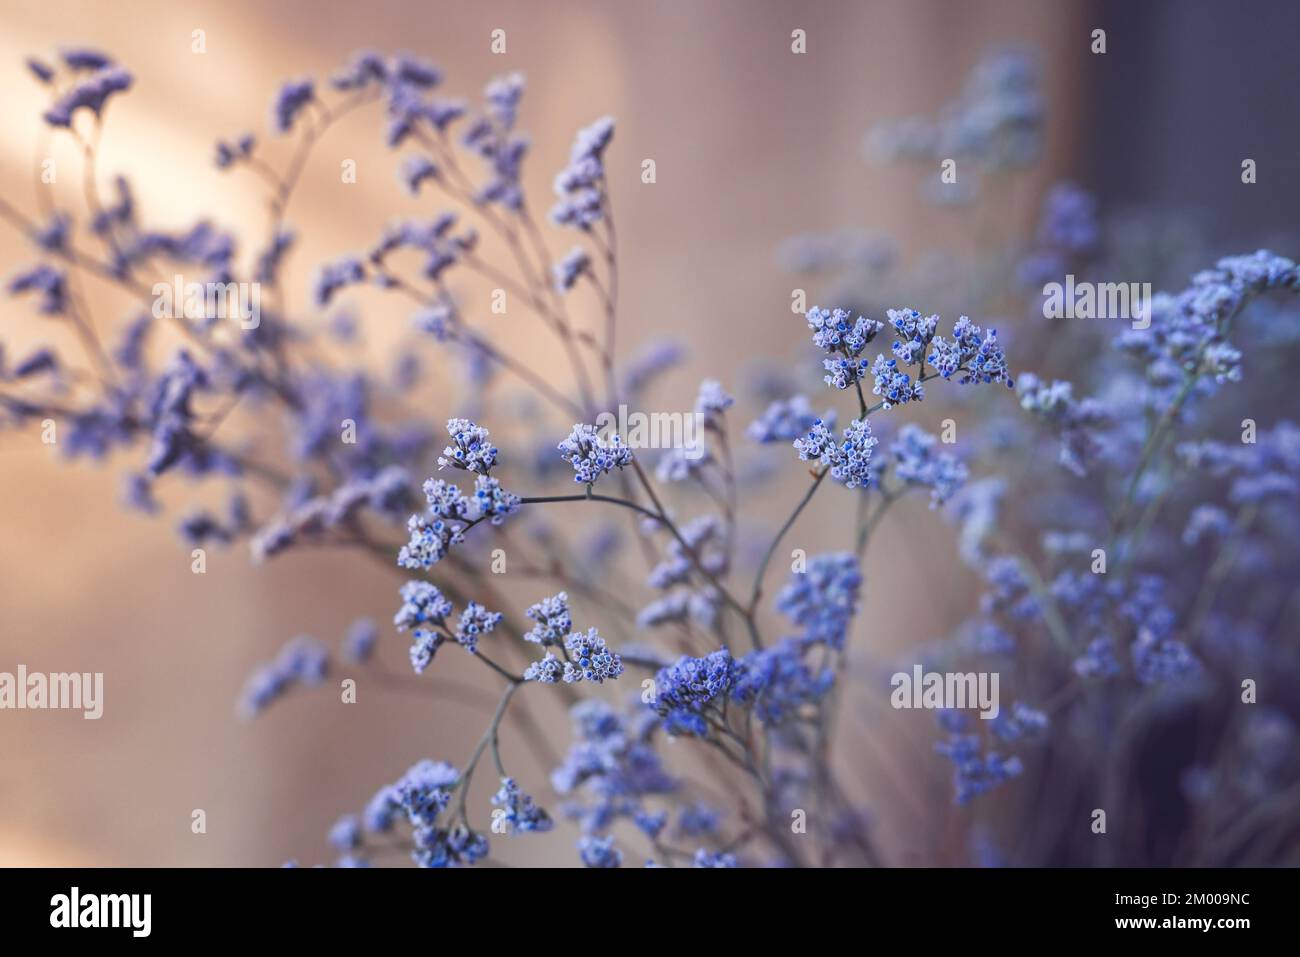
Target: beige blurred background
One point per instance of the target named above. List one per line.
(752, 144)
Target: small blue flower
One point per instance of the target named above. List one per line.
(587, 658)
(471, 448)
(917, 462)
(683, 691)
(894, 386)
(345, 835)
(788, 419)
(706, 858)
(570, 269)
(491, 501)
(849, 460)
(824, 598)
(553, 621)
(302, 661)
(290, 101)
(422, 604)
(599, 852)
(475, 621)
(359, 644)
(521, 812)
(591, 455)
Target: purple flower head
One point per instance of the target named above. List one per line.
(684, 691)
(359, 643)
(53, 236)
(1020, 722)
(649, 364)
(599, 852)
(707, 858)
(40, 69)
(916, 461)
(48, 282)
(913, 332)
(303, 660)
(520, 811)
(842, 339)
(548, 671)
(415, 171)
(788, 419)
(587, 659)
(345, 835)
(332, 277)
(424, 645)
(712, 402)
(470, 449)
(90, 93)
(365, 68)
(567, 272)
(430, 540)
(848, 460)
(475, 621)
(291, 99)
(777, 682)
(491, 501)
(973, 352)
(591, 455)
(230, 153)
(894, 386)
(976, 772)
(85, 58)
(823, 598)
(420, 797)
(580, 185)
(422, 604)
(414, 71)
(552, 618)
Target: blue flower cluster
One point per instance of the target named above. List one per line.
(787, 419)
(580, 186)
(843, 340)
(848, 460)
(916, 461)
(302, 661)
(683, 691)
(975, 771)
(89, 80)
(426, 609)
(474, 622)
(613, 764)
(996, 123)
(1079, 422)
(553, 620)
(589, 660)
(420, 796)
(823, 599)
(592, 455)
(973, 352)
(777, 682)
(520, 811)
(471, 448)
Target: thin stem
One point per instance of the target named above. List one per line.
(489, 737)
(757, 591)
